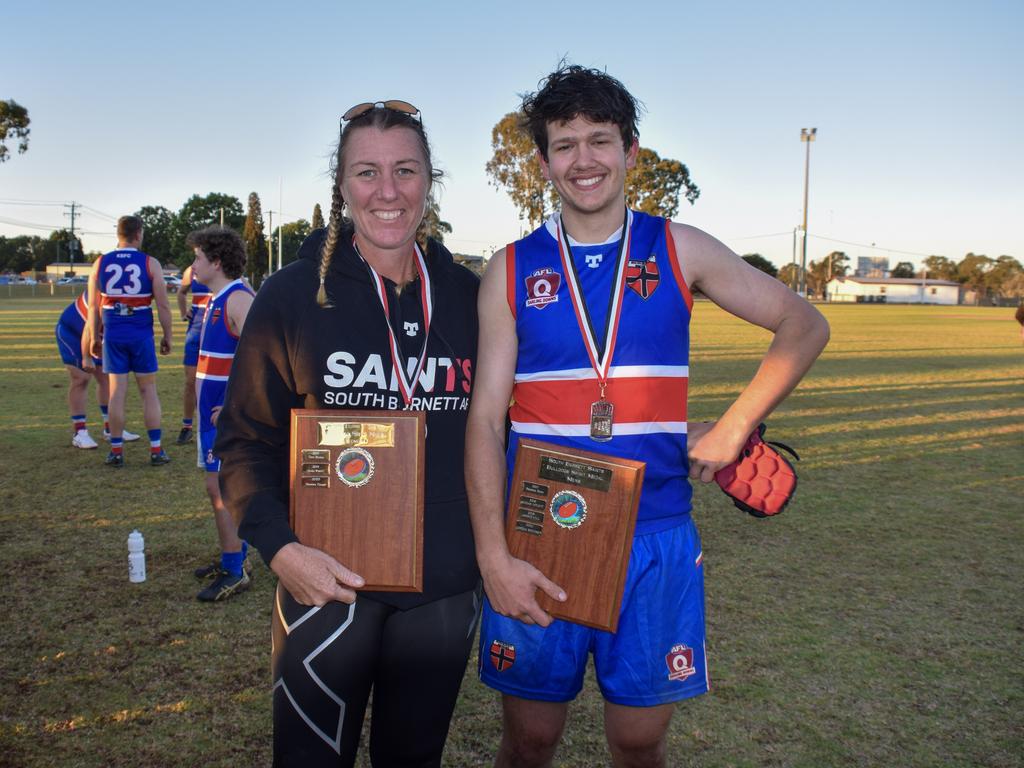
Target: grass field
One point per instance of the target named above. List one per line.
(879, 621)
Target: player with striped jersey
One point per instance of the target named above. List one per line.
(128, 282)
(585, 327)
(192, 313)
(219, 261)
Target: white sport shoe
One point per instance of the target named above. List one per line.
(83, 439)
(126, 436)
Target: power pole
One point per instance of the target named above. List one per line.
(222, 216)
(806, 135)
(270, 243)
(73, 242)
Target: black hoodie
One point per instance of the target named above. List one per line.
(295, 354)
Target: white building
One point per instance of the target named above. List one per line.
(893, 290)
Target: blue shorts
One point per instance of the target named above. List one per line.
(70, 345)
(192, 335)
(136, 355)
(657, 655)
(206, 459)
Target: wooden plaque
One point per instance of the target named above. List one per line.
(571, 513)
(357, 491)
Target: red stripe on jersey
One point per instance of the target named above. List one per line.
(200, 300)
(82, 306)
(510, 276)
(140, 300)
(673, 260)
(214, 366)
(568, 402)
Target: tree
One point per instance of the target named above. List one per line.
(1002, 273)
(294, 232)
(63, 245)
(903, 269)
(515, 169)
(199, 212)
(14, 123)
(159, 226)
(819, 273)
(432, 224)
(790, 275)
(24, 253)
(940, 268)
(318, 218)
(972, 269)
(653, 184)
(255, 240)
(758, 261)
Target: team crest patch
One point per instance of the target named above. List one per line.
(680, 662)
(503, 655)
(542, 288)
(568, 509)
(215, 316)
(642, 276)
(354, 467)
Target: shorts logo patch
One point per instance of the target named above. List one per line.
(354, 467)
(542, 288)
(642, 276)
(503, 655)
(680, 662)
(568, 509)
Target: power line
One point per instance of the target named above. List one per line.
(872, 245)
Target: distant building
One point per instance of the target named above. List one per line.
(59, 269)
(473, 263)
(892, 290)
(872, 266)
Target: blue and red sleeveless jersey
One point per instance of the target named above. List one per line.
(555, 382)
(200, 297)
(76, 314)
(126, 293)
(217, 346)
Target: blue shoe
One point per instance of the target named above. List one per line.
(114, 460)
(158, 459)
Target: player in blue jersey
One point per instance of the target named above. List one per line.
(585, 324)
(220, 259)
(74, 344)
(127, 282)
(192, 313)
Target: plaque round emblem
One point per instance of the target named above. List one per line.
(354, 467)
(568, 509)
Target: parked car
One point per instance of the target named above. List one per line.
(75, 280)
(173, 283)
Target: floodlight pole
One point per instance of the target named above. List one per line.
(806, 135)
(270, 243)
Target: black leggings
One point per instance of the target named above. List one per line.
(326, 660)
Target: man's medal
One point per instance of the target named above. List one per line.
(602, 410)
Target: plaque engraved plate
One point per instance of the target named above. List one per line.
(529, 502)
(530, 528)
(592, 501)
(531, 516)
(357, 491)
(535, 488)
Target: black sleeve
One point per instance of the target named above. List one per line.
(253, 427)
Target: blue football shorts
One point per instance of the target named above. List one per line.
(70, 345)
(656, 656)
(136, 355)
(206, 459)
(192, 345)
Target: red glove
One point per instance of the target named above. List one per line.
(761, 481)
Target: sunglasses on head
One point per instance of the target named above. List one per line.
(394, 105)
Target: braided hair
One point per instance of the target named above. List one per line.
(382, 119)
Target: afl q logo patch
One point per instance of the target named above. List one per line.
(568, 509)
(354, 467)
(542, 288)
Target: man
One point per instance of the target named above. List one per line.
(74, 345)
(127, 281)
(192, 313)
(584, 326)
(220, 259)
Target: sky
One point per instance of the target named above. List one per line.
(918, 108)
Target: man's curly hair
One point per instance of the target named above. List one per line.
(220, 244)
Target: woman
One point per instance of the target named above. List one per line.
(321, 334)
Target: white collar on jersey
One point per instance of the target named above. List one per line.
(551, 225)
